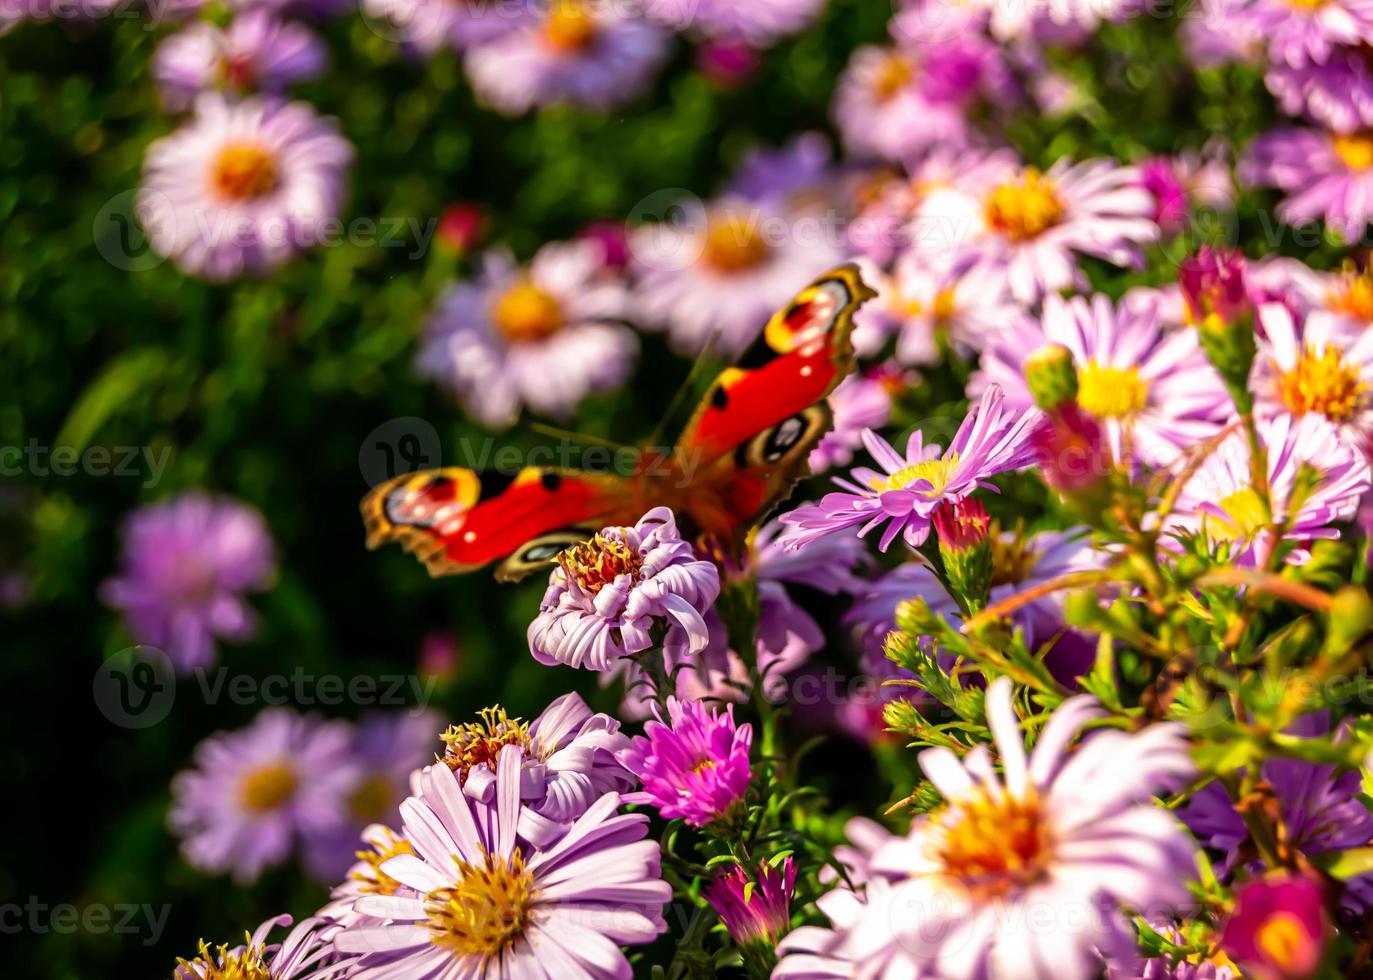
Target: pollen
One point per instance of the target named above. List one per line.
(1354, 296)
(1283, 939)
(936, 471)
(597, 563)
(1355, 149)
(1110, 392)
(265, 789)
(1324, 384)
(1244, 517)
(891, 77)
(372, 879)
(243, 172)
(734, 244)
(570, 26)
(221, 964)
(993, 844)
(1024, 209)
(1012, 559)
(526, 312)
(486, 911)
(479, 743)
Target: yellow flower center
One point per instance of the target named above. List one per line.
(596, 563)
(1244, 517)
(1012, 559)
(525, 313)
(479, 743)
(243, 172)
(221, 964)
(570, 26)
(1324, 384)
(372, 879)
(486, 911)
(267, 788)
(1025, 209)
(944, 306)
(1282, 937)
(1355, 149)
(1354, 297)
(892, 76)
(1111, 393)
(936, 471)
(992, 845)
(734, 244)
(372, 800)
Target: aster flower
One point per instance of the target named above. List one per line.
(1057, 830)
(758, 22)
(365, 877)
(788, 176)
(1183, 183)
(1221, 33)
(694, 766)
(544, 336)
(1337, 95)
(1032, 223)
(256, 792)
(718, 277)
(256, 52)
(1278, 930)
(1296, 34)
(243, 186)
(756, 910)
(305, 952)
(1309, 467)
(992, 439)
(486, 904)
(430, 25)
(606, 596)
(187, 564)
(1152, 389)
(588, 54)
(858, 402)
(1324, 174)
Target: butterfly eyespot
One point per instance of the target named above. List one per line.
(551, 482)
(809, 319)
(787, 439)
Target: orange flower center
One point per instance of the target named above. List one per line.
(1024, 209)
(570, 26)
(373, 880)
(1355, 149)
(1354, 297)
(486, 911)
(267, 788)
(894, 74)
(993, 845)
(243, 172)
(596, 563)
(734, 244)
(479, 743)
(527, 313)
(1324, 384)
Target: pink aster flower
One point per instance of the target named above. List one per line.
(717, 277)
(992, 439)
(858, 402)
(188, 563)
(1073, 833)
(256, 53)
(243, 186)
(306, 952)
(255, 793)
(695, 766)
(543, 336)
(588, 54)
(756, 910)
(1221, 503)
(1299, 33)
(1033, 224)
(758, 22)
(1278, 930)
(484, 903)
(606, 597)
(1337, 94)
(1152, 389)
(1325, 175)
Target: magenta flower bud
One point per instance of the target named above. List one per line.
(1213, 286)
(756, 911)
(1278, 928)
(1071, 451)
(461, 227)
(965, 547)
(728, 64)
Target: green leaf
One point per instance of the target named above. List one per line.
(119, 382)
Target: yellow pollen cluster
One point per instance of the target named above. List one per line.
(596, 563)
(525, 312)
(1354, 297)
(570, 25)
(1025, 209)
(1355, 149)
(1282, 938)
(479, 743)
(1324, 384)
(993, 845)
(486, 911)
(893, 75)
(373, 880)
(221, 964)
(936, 471)
(1244, 517)
(243, 172)
(1012, 559)
(264, 789)
(734, 244)
(1111, 393)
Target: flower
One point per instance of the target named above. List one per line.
(567, 753)
(429, 25)
(992, 439)
(758, 22)
(789, 175)
(1325, 175)
(461, 227)
(695, 766)
(757, 910)
(1152, 389)
(1337, 95)
(187, 563)
(1178, 184)
(1297, 33)
(858, 402)
(1073, 832)
(1309, 468)
(243, 186)
(255, 792)
(588, 54)
(544, 336)
(484, 903)
(257, 51)
(1278, 929)
(728, 64)
(304, 952)
(1031, 223)
(606, 596)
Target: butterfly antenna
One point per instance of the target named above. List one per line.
(687, 386)
(579, 437)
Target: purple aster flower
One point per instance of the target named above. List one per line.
(1297, 33)
(1065, 830)
(544, 336)
(256, 792)
(187, 563)
(756, 910)
(589, 54)
(484, 903)
(305, 952)
(606, 597)
(1278, 930)
(1152, 389)
(429, 25)
(568, 754)
(786, 176)
(719, 276)
(243, 186)
(1325, 175)
(695, 767)
(1337, 95)
(858, 402)
(758, 22)
(1032, 224)
(1221, 33)
(365, 877)
(992, 439)
(848, 948)
(256, 52)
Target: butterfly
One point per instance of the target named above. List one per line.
(737, 458)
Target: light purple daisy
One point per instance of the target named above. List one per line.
(1221, 504)
(256, 792)
(1337, 95)
(588, 54)
(484, 903)
(606, 597)
(306, 952)
(1297, 33)
(758, 22)
(1074, 834)
(992, 439)
(243, 186)
(1152, 389)
(256, 52)
(188, 563)
(429, 25)
(717, 278)
(694, 766)
(543, 336)
(858, 402)
(379, 844)
(1032, 224)
(1324, 174)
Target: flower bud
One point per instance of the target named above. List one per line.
(965, 546)
(1071, 451)
(1218, 306)
(461, 228)
(1052, 376)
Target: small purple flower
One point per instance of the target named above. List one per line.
(788, 175)
(187, 564)
(606, 596)
(695, 767)
(992, 439)
(1179, 184)
(255, 793)
(305, 952)
(256, 53)
(1325, 175)
(756, 910)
